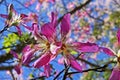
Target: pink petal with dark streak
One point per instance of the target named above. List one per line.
(86, 47)
(107, 51)
(47, 70)
(43, 60)
(18, 69)
(65, 25)
(74, 63)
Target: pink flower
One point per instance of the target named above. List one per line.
(45, 42)
(116, 70)
(14, 19)
(67, 47)
(17, 67)
(51, 46)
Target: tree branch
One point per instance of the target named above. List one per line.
(6, 67)
(75, 9)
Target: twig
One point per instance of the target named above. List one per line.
(75, 9)
(58, 74)
(66, 72)
(4, 29)
(6, 67)
(12, 75)
(99, 69)
(83, 60)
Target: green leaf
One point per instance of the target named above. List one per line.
(74, 52)
(10, 40)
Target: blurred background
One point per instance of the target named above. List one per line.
(95, 21)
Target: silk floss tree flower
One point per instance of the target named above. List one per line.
(13, 18)
(67, 47)
(44, 36)
(115, 75)
(17, 66)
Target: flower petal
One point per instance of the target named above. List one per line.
(48, 30)
(54, 19)
(23, 16)
(61, 60)
(27, 56)
(74, 63)
(11, 9)
(26, 48)
(43, 60)
(47, 70)
(18, 69)
(86, 47)
(118, 36)
(55, 47)
(115, 74)
(19, 31)
(14, 54)
(108, 51)
(65, 25)
(35, 31)
(4, 16)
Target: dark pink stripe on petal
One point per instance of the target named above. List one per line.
(26, 48)
(107, 51)
(54, 19)
(47, 70)
(65, 25)
(74, 63)
(43, 60)
(36, 30)
(23, 16)
(86, 47)
(26, 58)
(18, 69)
(19, 31)
(4, 16)
(48, 30)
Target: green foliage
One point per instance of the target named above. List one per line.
(97, 31)
(92, 75)
(115, 18)
(24, 37)
(10, 15)
(83, 23)
(73, 52)
(113, 40)
(106, 75)
(10, 40)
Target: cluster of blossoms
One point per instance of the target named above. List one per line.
(49, 44)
